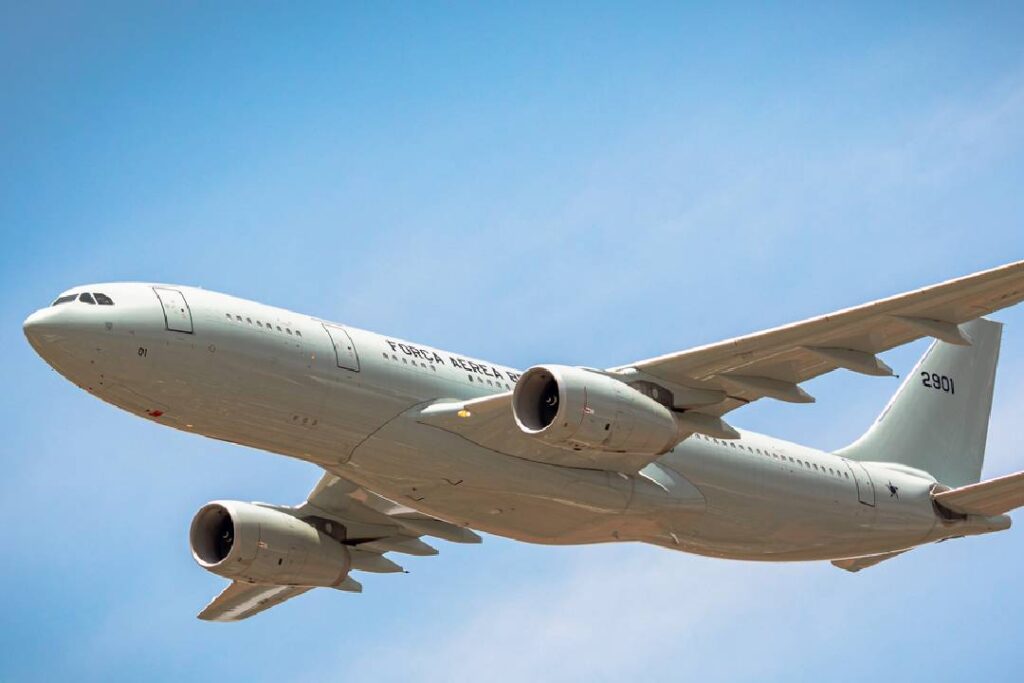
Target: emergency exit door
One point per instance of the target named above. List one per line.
(344, 349)
(865, 487)
(177, 315)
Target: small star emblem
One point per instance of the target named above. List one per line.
(894, 491)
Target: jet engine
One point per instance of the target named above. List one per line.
(247, 542)
(578, 408)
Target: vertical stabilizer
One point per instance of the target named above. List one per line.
(938, 420)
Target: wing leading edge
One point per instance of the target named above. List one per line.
(771, 364)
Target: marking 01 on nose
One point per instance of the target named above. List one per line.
(177, 315)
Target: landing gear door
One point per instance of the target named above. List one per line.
(177, 315)
(865, 487)
(344, 349)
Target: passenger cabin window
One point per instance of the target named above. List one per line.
(103, 299)
(64, 299)
(87, 298)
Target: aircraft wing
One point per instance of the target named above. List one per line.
(771, 364)
(367, 523)
(709, 381)
(242, 600)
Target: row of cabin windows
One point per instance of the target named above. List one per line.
(85, 297)
(432, 367)
(414, 363)
(775, 456)
(490, 383)
(265, 326)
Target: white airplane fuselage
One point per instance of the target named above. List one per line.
(347, 400)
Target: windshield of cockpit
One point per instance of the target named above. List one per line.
(93, 298)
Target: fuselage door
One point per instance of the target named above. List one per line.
(865, 487)
(177, 315)
(344, 349)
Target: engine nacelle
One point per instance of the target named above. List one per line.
(247, 542)
(576, 408)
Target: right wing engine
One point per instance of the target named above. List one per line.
(576, 408)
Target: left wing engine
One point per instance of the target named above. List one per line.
(274, 553)
(247, 542)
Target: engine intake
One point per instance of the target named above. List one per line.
(577, 408)
(247, 542)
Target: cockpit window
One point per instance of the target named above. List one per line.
(103, 299)
(87, 298)
(64, 299)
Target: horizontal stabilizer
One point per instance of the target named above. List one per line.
(855, 564)
(992, 497)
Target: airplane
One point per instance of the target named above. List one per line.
(420, 442)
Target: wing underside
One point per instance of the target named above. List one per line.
(242, 600)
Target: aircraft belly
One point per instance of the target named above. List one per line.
(445, 475)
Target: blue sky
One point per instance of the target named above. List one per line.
(527, 183)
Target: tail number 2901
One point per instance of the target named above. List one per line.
(939, 382)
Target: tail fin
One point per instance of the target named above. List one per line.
(938, 420)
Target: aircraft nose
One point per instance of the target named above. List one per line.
(39, 325)
(50, 327)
